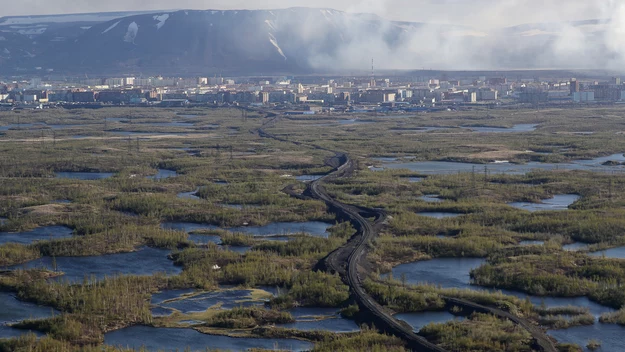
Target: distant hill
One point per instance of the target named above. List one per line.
(297, 40)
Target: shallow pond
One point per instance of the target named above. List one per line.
(146, 261)
(38, 234)
(454, 273)
(189, 195)
(575, 246)
(84, 175)
(62, 201)
(170, 124)
(143, 134)
(314, 228)
(13, 311)
(180, 301)
(613, 253)
(610, 336)
(321, 319)
(163, 174)
(415, 179)
(308, 178)
(431, 198)
(419, 320)
(515, 129)
(448, 167)
(439, 215)
(15, 126)
(531, 243)
(154, 339)
(558, 202)
(354, 122)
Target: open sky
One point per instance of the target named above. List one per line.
(477, 13)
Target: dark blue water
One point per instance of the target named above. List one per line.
(454, 273)
(14, 311)
(154, 339)
(314, 228)
(38, 234)
(420, 320)
(21, 126)
(163, 174)
(446, 167)
(439, 215)
(146, 261)
(516, 129)
(612, 337)
(84, 175)
(320, 319)
(613, 253)
(559, 202)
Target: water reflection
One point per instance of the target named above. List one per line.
(558, 202)
(314, 228)
(154, 339)
(448, 167)
(613, 253)
(13, 311)
(455, 273)
(84, 175)
(146, 261)
(38, 234)
(610, 336)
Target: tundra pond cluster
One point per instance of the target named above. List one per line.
(137, 229)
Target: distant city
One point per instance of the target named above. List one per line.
(309, 95)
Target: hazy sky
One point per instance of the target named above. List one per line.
(478, 13)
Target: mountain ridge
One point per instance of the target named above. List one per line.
(293, 40)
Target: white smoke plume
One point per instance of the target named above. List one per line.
(460, 34)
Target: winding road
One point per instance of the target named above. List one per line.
(348, 259)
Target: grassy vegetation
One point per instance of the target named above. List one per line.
(479, 333)
(557, 274)
(245, 318)
(228, 165)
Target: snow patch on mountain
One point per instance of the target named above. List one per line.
(161, 20)
(32, 31)
(131, 34)
(273, 41)
(86, 17)
(111, 27)
(271, 24)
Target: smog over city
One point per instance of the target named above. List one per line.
(430, 176)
